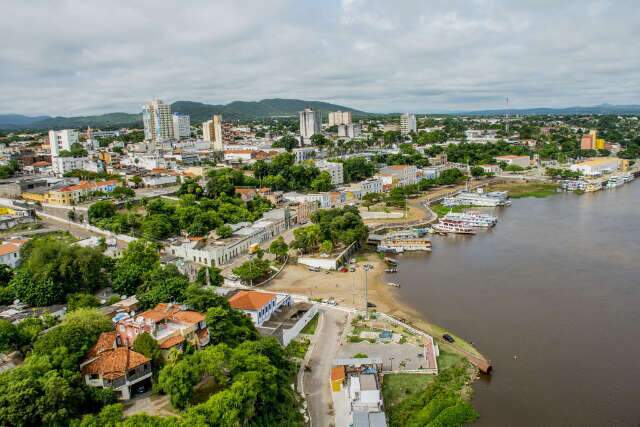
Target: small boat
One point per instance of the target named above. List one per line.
(390, 261)
(446, 226)
(391, 270)
(395, 285)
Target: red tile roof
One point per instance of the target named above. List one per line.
(171, 342)
(106, 341)
(250, 300)
(9, 248)
(111, 364)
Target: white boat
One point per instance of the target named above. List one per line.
(406, 240)
(479, 199)
(447, 226)
(389, 249)
(616, 181)
(395, 285)
(476, 220)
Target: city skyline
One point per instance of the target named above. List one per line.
(372, 56)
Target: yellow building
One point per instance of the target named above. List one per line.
(599, 144)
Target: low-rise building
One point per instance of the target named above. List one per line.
(597, 166)
(171, 325)
(119, 368)
(351, 131)
(335, 170)
(322, 199)
(302, 154)
(73, 194)
(10, 252)
(404, 174)
(259, 306)
(246, 194)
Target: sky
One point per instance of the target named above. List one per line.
(87, 57)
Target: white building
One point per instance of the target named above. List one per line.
(349, 131)
(303, 154)
(310, 122)
(158, 122)
(62, 140)
(334, 169)
(62, 165)
(402, 174)
(259, 305)
(212, 132)
(181, 126)
(10, 253)
(371, 185)
(407, 123)
(596, 166)
(340, 118)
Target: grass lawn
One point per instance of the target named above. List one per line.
(447, 360)
(298, 347)
(310, 328)
(396, 387)
(529, 189)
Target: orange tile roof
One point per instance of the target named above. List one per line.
(111, 364)
(106, 341)
(9, 248)
(250, 300)
(245, 190)
(159, 312)
(39, 164)
(337, 373)
(190, 317)
(171, 342)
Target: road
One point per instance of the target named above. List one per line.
(317, 382)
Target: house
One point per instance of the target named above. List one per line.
(73, 194)
(171, 325)
(274, 197)
(119, 368)
(337, 378)
(258, 305)
(10, 252)
(246, 194)
(495, 169)
(404, 174)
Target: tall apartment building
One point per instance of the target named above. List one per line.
(340, 118)
(181, 126)
(158, 122)
(349, 131)
(62, 140)
(589, 141)
(212, 132)
(309, 124)
(408, 124)
(335, 169)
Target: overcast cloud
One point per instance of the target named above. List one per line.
(85, 57)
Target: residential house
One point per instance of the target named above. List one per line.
(246, 194)
(259, 305)
(119, 368)
(10, 252)
(404, 174)
(171, 325)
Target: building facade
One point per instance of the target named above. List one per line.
(310, 122)
(340, 118)
(158, 122)
(335, 169)
(181, 126)
(349, 131)
(407, 124)
(62, 140)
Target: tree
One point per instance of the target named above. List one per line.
(319, 140)
(326, 247)
(157, 227)
(178, 381)
(224, 231)
(371, 199)
(162, 284)
(145, 344)
(449, 176)
(201, 299)
(477, 171)
(322, 182)
(130, 269)
(136, 181)
(81, 300)
(101, 210)
(306, 238)
(229, 326)
(8, 335)
(287, 142)
(279, 248)
(252, 270)
(214, 279)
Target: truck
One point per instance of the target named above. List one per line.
(254, 248)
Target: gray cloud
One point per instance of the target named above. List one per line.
(72, 57)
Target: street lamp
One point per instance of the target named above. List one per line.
(366, 268)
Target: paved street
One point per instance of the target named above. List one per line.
(317, 382)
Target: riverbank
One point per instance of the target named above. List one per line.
(348, 289)
(519, 190)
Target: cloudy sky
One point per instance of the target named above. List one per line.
(84, 57)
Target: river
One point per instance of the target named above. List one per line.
(557, 284)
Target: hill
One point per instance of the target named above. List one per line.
(595, 109)
(199, 112)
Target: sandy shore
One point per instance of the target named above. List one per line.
(348, 290)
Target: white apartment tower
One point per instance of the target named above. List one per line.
(310, 122)
(158, 122)
(62, 140)
(212, 132)
(181, 126)
(340, 118)
(407, 124)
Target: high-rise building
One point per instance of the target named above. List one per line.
(407, 124)
(340, 118)
(309, 124)
(213, 133)
(62, 140)
(589, 141)
(349, 131)
(181, 126)
(158, 122)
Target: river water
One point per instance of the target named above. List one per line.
(557, 283)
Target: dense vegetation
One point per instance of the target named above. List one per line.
(282, 173)
(341, 226)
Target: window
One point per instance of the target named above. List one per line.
(94, 376)
(131, 372)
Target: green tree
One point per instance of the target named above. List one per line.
(252, 270)
(101, 210)
(215, 277)
(162, 284)
(201, 299)
(306, 238)
(81, 300)
(139, 258)
(229, 326)
(287, 142)
(477, 171)
(9, 336)
(224, 231)
(157, 227)
(279, 248)
(145, 344)
(322, 182)
(326, 247)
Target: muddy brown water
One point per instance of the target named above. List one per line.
(557, 284)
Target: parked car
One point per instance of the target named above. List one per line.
(371, 305)
(448, 338)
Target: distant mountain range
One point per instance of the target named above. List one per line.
(199, 112)
(267, 108)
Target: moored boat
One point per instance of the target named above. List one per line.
(447, 226)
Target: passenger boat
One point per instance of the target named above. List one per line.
(389, 250)
(405, 240)
(447, 226)
(395, 285)
(391, 270)
(390, 261)
(477, 220)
